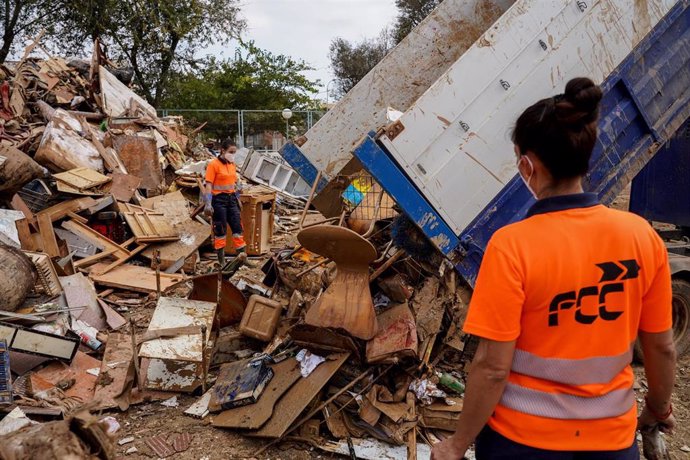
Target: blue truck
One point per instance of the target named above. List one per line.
(447, 161)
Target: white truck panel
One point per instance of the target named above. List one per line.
(456, 145)
(399, 79)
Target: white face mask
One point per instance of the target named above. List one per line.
(526, 181)
(230, 157)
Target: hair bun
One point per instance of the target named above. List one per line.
(580, 104)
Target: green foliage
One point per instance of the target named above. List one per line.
(155, 37)
(410, 14)
(351, 62)
(255, 79)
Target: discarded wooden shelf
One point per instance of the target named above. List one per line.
(82, 178)
(150, 227)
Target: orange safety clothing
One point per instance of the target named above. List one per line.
(572, 284)
(222, 176)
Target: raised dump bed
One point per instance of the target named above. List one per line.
(397, 81)
(449, 162)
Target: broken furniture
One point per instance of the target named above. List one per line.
(260, 318)
(178, 363)
(347, 302)
(232, 301)
(258, 209)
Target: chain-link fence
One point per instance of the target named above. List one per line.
(258, 129)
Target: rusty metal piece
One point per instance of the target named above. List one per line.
(232, 302)
(394, 129)
(347, 302)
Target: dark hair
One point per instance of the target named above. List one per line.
(562, 130)
(227, 143)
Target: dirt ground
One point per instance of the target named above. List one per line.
(210, 443)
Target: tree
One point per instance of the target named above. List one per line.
(22, 19)
(351, 62)
(410, 14)
(255, 79)
(156, 38)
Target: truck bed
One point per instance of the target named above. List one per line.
(449, 162)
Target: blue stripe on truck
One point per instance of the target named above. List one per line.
(398, 185)
(299, 162)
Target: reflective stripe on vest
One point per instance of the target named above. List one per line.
(229, 187)
(599, 369)
(565, 406)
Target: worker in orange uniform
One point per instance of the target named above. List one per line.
(221, 199)
(559, 301)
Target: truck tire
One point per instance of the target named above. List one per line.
(681, 319)
(681, 315)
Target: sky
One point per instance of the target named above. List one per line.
(303, 29)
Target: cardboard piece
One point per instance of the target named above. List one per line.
(397, 336)
(116, 375)
(84, 382)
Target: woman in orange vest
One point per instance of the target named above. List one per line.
(560, 299)
(221, 199)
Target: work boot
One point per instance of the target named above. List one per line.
(220, 253)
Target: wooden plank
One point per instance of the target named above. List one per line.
(66, 188)
(133, 278)
(77, 217)
(25, 237)
(253, 416)
(291, 405)
(82, 178)
(45, 227)
(85, 262)
(18, 204)
(60, 211)
(192, 235)
(95, 238)
(121, 261)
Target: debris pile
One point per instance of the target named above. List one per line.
(330, 333)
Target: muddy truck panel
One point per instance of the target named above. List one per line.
(449, 162)
(397, 81)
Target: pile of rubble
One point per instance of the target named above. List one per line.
(330, 334)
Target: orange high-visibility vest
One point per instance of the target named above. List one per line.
(572, 284)
(223, 176)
